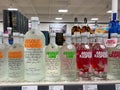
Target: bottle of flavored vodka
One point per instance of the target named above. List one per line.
(3, 61)
(16, 60)
(114, 58)
(99, 59)
(84, 56)
(68, 60)
(78, 39)
(34, 49)
(52, 60)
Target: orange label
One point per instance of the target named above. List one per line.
(1, 55)
(33, 43)
(15, 54)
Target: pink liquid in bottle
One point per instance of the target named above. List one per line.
(84, 55)
(99, 59)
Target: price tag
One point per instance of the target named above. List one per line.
(29, 87)
(111, 42)
(117, 86)
(90, 87)
(58, 87)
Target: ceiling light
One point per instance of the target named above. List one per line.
(109, 11)
(94, 19)
(63, 10)
(59, 18)
(12, 9)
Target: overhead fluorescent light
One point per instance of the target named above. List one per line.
(63, 10)
(94, 19)
(109, 11)
(12, 9)
(58, 18)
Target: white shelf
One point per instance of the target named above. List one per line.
(58, 83)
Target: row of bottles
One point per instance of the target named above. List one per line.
(82, 57)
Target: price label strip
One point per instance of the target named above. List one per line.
(90, 87)
(57, 87)
(117, 86)
(29, 87)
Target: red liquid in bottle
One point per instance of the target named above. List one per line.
(84, 55)
(99, 61)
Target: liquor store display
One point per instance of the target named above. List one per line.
(84, 58)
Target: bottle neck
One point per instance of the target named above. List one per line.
(78, 39)
(34, 26)
(5, 40)
(0, 40)
(68, 40)
(84, 39)
(16, 39)
(52, 40)
(114, 16)
(74, 40)
(99, 39)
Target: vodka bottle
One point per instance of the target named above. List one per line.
(15, 60)
(34, 43)
(52, 60)
(84, 56)
(99, 59)
(68, 60)
(114, 59)
(3, 61)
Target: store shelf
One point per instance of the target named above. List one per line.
(59, 83)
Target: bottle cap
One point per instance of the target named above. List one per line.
(105, 35)
(114, 34)
(21, 35)
(52, 34)
(68, 34)
(5, 35)
(16, 34)
(98, 35)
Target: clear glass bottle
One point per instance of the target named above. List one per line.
(16, 60)
(3, 61)
(34, 48)
(114, 59)
(52, 60)
(99, 59)
(84, 56)
(68, 60)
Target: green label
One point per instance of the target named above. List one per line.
(52, 54)
(69, 55)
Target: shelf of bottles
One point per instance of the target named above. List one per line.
(16, 20)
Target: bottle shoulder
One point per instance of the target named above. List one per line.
(33, 34)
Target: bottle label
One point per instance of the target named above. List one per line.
(18, 54)
(111, 42)
(115, 54)
(69, 55)
(33, 43)
(86, 55)
(1, 55)
(52, 55)
(100, 54)
(15, 64)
